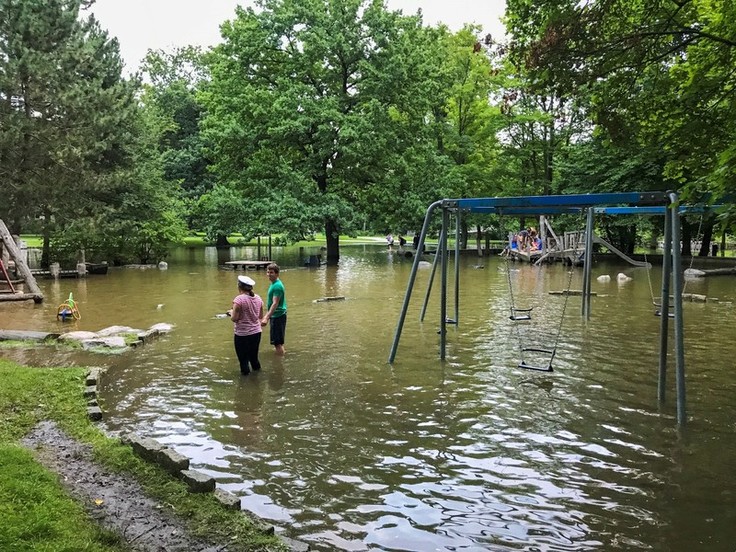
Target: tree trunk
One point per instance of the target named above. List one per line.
(221, 241)
(46, 247)
(707, 238)
(333, 242)
(464, 235)
(687, 234)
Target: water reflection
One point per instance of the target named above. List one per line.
(347, 452)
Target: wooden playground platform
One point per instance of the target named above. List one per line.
(245, 265)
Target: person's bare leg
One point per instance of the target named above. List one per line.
(280, 350)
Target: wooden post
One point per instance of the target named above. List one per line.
(81, 263)
(20, 265)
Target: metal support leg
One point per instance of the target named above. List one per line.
(588, 262)
(679, 341)
(443, 278)
(458, 222)
(412, 278)
(664, 307)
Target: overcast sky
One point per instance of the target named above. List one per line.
(140, 25)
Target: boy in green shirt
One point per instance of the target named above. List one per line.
(276, 309)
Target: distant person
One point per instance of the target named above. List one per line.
(389, 240)
(276, 309)
(416, 241)
(246, 315)
(523, 239)
(402, 241)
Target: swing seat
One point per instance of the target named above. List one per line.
(521, 314)
(546, 368)
(526, 366)
(659, 313)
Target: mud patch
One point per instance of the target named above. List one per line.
(115, 501)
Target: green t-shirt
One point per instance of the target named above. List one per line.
(276, 289)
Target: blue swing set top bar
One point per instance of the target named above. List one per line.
(572, 203)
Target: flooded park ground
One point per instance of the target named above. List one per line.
(343, 450)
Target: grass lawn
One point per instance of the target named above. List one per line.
(35, 510)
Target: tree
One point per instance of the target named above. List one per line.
(172, 82)
(659, 73)
(310, 106)
(67, 116)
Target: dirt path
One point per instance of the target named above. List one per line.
(115, 501)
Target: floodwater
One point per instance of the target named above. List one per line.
(342, 450)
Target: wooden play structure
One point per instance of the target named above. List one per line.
(568, 248)
(23, 286)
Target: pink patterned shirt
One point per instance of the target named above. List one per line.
(250, 314)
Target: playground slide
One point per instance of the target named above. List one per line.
(620, 253)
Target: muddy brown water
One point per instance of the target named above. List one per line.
(344, 451)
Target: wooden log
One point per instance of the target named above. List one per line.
(21, 335)
(20, 265)
(698, 273)
(36, 297)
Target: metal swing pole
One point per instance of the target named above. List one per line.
(664, 308)
(429, 284)
(587, 264)
(458, 220)
(677, 279)
(442, 250)
(412, 278)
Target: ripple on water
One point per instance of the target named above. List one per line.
(472, 453)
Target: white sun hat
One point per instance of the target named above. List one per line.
(246, 281)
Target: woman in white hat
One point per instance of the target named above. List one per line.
(246, 315)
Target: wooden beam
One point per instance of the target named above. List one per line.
(37, 298)
(20, 265)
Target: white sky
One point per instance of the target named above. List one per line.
(140, 25)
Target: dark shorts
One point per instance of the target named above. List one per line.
(278, 330)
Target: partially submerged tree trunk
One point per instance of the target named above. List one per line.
(333, 242)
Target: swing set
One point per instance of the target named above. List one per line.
(657, 303)
(660, 203)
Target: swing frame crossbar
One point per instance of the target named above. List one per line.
(640, 203)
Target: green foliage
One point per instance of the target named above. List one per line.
(323, 109)
(174, 113)
(73, 140)
(67, 115)
(657, 75)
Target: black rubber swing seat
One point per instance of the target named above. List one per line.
(521, 314)
(658, 311)
(526, 366)
(545, 368)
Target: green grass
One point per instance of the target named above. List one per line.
(36, 512)
(32, 240)
(198, 239)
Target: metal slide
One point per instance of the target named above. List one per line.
(620, 253)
